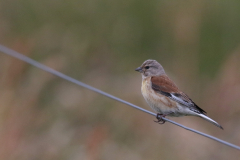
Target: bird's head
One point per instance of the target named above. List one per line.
(150, 68)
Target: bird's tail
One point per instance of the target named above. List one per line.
(210, 120)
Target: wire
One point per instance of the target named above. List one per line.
(28, 60)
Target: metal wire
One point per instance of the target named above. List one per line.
(63, 76)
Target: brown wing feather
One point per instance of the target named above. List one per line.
(165, 86)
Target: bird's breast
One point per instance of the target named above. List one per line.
(156, 101)
(146, 88)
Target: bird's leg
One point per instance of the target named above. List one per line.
(159, 118)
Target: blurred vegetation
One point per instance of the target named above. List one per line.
(101, 43)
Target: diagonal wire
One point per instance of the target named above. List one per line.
(63, 76)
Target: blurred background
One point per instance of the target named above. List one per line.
(101, 42)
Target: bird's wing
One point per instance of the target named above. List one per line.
(165, 86)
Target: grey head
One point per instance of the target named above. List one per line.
(150, 68)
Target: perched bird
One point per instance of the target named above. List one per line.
(164, 97)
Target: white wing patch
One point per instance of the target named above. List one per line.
(180, 100)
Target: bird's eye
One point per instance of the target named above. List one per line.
(147, 67)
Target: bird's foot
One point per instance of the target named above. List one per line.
(159, 118)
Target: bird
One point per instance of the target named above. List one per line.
(163, 95)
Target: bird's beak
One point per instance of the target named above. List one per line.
(139, 69)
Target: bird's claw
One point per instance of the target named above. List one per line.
(159, 118)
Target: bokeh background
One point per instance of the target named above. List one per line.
(101, 42)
